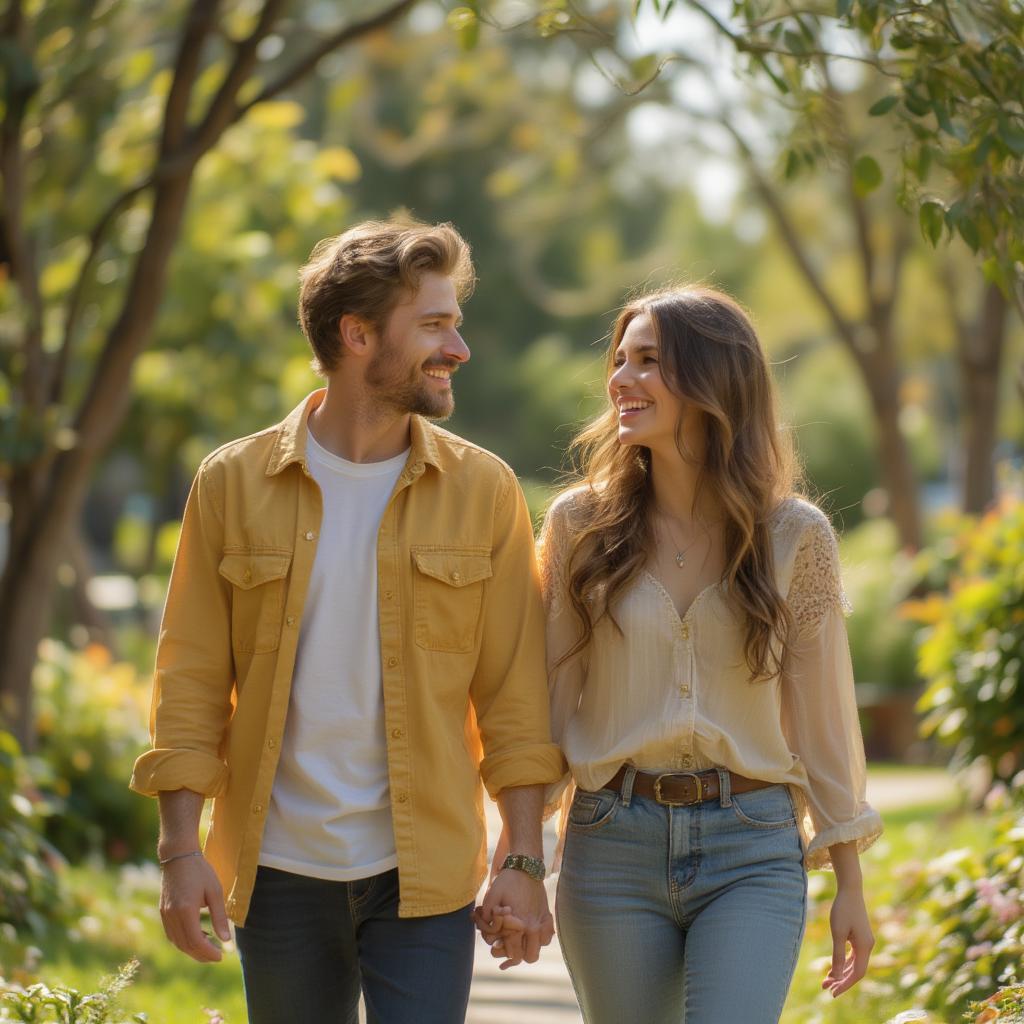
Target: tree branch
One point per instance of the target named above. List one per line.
(306, 64)
(21, 85)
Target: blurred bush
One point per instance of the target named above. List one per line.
(877, 578)
(92, 715)
(955, 930)
(31, 894)
(973, 653)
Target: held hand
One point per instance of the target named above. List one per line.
(188, 885)
(849, 922)
(527, 926)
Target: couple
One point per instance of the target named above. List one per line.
(355, 636)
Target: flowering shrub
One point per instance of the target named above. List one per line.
(955, 931)
(973, 653)
(91, 720)
(30, 892)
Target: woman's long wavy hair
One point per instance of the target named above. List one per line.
(711, 357)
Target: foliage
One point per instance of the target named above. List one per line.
(30, 887)
(58, 1003)
(877, 578)
(955, 930)
(1006, 1004)
(91, 722)
(950, 81)
(973, 653)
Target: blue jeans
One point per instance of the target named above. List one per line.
(682, 914)
(309, 945)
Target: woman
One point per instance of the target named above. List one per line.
(701, 687)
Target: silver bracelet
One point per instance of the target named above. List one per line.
(178, 856)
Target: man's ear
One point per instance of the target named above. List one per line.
(356, 335)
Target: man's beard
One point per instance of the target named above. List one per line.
(407, 392)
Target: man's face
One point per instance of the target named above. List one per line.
(418, 351)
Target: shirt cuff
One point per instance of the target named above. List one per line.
(537, 764)
(165, 769)
(863, 830)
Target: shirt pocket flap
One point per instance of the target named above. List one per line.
(248, 569)
(456, 568)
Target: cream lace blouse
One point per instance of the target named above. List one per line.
(671, 694)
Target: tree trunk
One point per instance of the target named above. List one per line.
(981, 353)
(882, 379)
(27, 584)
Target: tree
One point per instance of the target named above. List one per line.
(68, 385)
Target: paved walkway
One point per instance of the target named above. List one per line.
(541, 993)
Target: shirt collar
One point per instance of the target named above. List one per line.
(290, 445)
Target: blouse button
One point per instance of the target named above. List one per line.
(309, 535)
(684, 631)
(685, 690)
(455, 577)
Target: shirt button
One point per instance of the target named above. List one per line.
(257, 808)
(290, 620)
(684, 690)
(247, 575)
(687, 761)
(684, 631)
(388, 595)
(401, 798)
(271, 743)
(455, 577)
(309, 535)
(397, 734)
(392, 661)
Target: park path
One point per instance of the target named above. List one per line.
(541, 993)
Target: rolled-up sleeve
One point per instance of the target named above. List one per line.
(194, 678)
(508, 690)
(819, 707)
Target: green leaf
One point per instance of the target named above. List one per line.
(931, 217)
(792, 165)
(795, 42)
(883, 106)
(1011, 136)
(843, 8)
(916, 104)
(460, 18)
(867, 175)
(968, 229)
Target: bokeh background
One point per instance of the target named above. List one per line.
(851, 170)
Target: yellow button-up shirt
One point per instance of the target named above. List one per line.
(461, 630)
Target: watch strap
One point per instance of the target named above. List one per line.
(532, 866)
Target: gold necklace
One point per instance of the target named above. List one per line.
(680, 555)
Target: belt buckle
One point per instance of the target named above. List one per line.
(679, 775)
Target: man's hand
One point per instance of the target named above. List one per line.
(514, 918)
(188, 885)
(849, 923)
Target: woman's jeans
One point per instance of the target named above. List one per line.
(309, 945)
(682, 914)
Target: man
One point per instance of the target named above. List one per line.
(353, 619)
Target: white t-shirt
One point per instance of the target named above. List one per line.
(330, 810)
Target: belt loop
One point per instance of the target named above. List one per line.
(724, 787)
(627, 785)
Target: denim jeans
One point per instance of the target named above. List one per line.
(309, 945)
(682, 914)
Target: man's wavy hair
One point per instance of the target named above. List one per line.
(710, 356)
(366, 272)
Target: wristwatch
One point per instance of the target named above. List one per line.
(532, 866)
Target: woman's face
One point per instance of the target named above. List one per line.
(648, 409)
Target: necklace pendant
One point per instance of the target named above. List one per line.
(680, 559)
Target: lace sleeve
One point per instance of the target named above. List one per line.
(816, 588)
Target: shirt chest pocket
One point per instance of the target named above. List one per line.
(448, 592)
(258, 580)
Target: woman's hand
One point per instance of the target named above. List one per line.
(850, 925)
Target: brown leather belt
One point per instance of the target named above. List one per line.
(683, 789)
